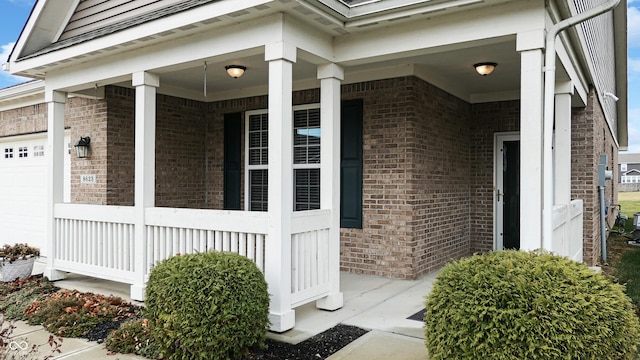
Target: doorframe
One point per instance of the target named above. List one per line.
(498, 140)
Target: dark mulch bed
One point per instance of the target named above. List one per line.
(100, 332)
(320, 346)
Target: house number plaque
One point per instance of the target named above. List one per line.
(88, 179)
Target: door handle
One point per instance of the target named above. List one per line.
(498, 194)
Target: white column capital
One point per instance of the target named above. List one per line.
(331, 70)
(565, 87)
(145, 78)
(55, 96)
(530, 40)
(280, 51)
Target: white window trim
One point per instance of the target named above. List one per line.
(248, 167)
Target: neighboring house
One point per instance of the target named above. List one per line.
(360, 137)
(628, 172)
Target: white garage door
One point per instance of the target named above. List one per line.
(23, 189)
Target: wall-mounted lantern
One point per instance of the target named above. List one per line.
(82, 147)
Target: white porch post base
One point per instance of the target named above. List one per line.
(137, 292)
(332, 302)
(282, 322)
(53, 274)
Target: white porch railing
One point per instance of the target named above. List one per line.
(99, 241)
(95, 240)
(184, 231)
(310, 278)
(567, 230)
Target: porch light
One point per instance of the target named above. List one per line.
(235, 71)
(485, 68)
(82, 147)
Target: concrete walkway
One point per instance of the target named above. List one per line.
(372, 303)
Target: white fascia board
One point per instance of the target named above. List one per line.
(576, 75)
(622, 91)
(422, 10)
(367, 9)
(235, 38)
(29, 93)
(26, 31)
(44, 26)
(456, 28)
(149, 29)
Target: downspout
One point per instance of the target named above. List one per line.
(548, 111)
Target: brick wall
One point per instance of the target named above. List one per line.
(439, 166)
(487, 119)
(591, 137)
(415, 180)
(181, 150)
(120, 146)
(180, 153)
(24, 120)
(88, 117)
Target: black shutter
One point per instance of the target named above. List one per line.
(232, 160)
(351, 165)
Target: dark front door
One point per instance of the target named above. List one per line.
(511, 188)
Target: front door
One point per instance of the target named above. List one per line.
(507, 193)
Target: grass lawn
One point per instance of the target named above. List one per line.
(625, 258)
(629, 204)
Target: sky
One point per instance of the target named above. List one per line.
(14, 14)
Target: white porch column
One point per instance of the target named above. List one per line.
(281, 57)
(531, 138)
(55, 172)
(330, 76)
(145, 168)
(562, 149)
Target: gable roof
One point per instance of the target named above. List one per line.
(55, 25)
(631, 171)
(134, 19)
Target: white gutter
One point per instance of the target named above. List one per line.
(548, 111)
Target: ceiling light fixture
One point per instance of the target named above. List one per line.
(235, 71)
(485, 68)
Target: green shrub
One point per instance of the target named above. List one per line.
(207, 306)
(133, 337)
(518, 305)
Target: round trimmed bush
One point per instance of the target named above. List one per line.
(519, 305)
(207, 306)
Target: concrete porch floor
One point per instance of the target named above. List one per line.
(377, 304)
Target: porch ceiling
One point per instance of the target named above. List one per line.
(452, 70)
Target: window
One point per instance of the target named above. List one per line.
(38, 151)
(23, 152)
(257, 160)
(623, 167)
(306, 159)
(8, 153)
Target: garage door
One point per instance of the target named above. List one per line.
(23, 189)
